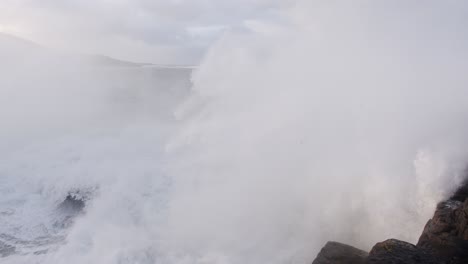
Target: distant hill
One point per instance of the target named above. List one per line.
(15, 48)
(12, 47)
(11, 41)
(111, 62)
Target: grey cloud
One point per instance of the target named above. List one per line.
(166, 31)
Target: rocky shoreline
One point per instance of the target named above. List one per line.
(444, 240)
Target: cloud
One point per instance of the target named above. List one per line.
(161, 31)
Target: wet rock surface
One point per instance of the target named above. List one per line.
(394, 251)
(335, 252)
(446, 234)
(461, 193)
(444, 240)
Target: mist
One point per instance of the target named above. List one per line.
(346, 124)
(333, 121)
(86, 125)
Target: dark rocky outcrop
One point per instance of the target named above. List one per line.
(394, 251)
(443, 241)
(338, 253)
(446, 234)
(461, 193)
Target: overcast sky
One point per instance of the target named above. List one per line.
(158, 31)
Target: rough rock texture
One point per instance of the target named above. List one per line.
(446, 234)
(394, 251)
(443, 241)
(461, 193)
(337, 253)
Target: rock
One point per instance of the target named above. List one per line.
(337, 253)
(446, 234)
(462, 221)
(394, 251)
(444, 240)
(461, 193)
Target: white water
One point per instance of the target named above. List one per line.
(343, 123)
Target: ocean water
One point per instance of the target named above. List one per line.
(97, 145)
(335, 122)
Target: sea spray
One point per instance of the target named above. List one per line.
(335, 121)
